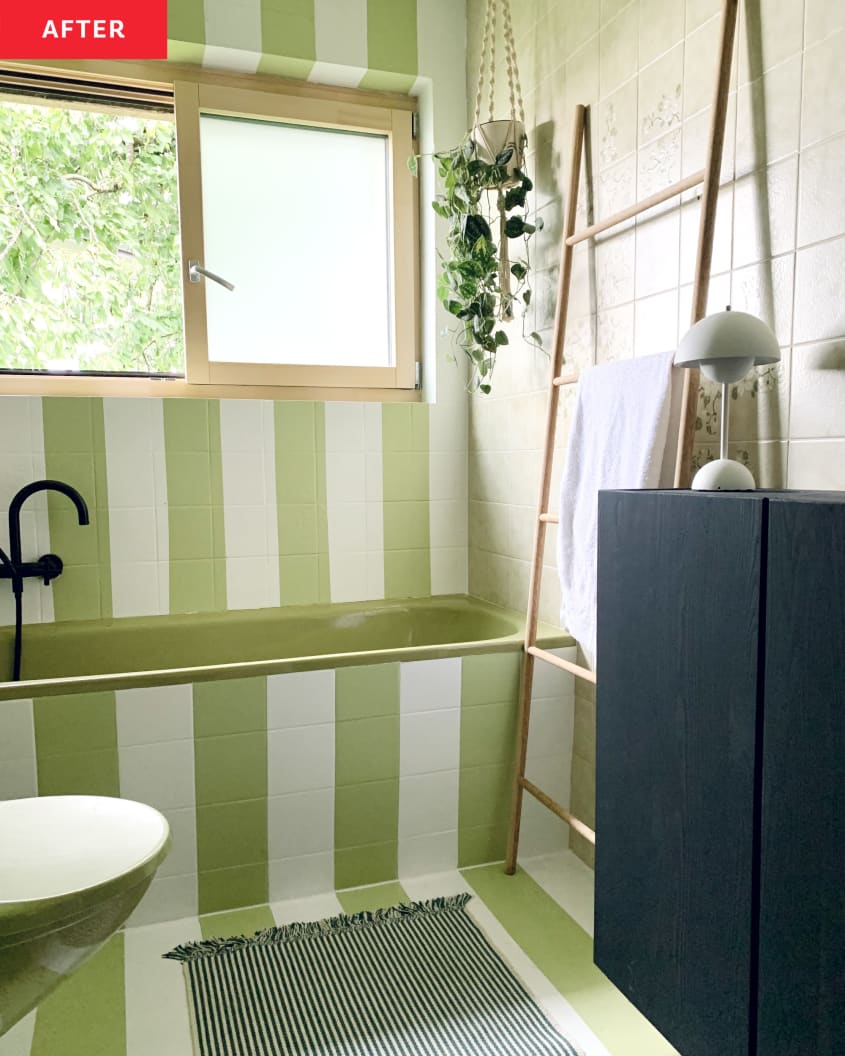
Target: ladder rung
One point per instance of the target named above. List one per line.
(565, 665)
(639, 207)
(565, 379)
(549, 518)
(562, 812)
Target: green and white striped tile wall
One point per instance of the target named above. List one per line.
(360, 43)
(299, 783)
(204, 505)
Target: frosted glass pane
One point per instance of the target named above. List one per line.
(297, 219)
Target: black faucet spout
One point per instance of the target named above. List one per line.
(21, 497)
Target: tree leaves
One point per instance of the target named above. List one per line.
(89, 241)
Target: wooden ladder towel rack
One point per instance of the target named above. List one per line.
(708, 179)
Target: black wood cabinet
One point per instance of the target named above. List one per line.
(720, 767)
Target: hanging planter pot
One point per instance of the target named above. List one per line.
(502, 143)
(483, 197)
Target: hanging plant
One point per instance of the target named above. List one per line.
(483, 197)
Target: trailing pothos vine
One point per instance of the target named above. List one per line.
(471, 284)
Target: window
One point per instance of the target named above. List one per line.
(205, 233)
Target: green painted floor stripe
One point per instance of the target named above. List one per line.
(75, 452)
(86, 1013)
(381, 896)
(236, 922)
(564, 954)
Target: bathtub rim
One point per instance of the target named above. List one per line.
(548, 637)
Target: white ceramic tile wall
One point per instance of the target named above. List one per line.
(354, 493)
(250, 514)
(300, 766)
(22, 461)
(137, 488)
(429, 760)
(155, 742)
(18, 770)
(646, 68)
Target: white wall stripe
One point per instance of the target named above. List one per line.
(566, 879)
(249, 508)
(233, 38)
(134, 433)
(340, 30)
(300, 768)
(354, 503)
(155, 738)
(337, 75)
(22, 461)
(554, 1004)
(156, 1009)
(429, 760)
(18, 768)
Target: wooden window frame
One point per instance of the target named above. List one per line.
(197, 90)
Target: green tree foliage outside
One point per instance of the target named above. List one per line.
(89, 241)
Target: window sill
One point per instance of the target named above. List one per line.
(38, 385)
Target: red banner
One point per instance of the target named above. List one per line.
(83, 29)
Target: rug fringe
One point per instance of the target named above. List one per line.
(191, 951)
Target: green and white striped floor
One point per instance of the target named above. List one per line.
(127, 1001)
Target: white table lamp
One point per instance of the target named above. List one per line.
(725, 346)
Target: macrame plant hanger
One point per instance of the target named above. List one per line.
(500, 139)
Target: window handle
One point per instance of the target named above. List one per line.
(195, 270)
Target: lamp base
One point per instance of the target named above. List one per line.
(723, 475)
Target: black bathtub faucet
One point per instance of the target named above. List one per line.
(47, 567)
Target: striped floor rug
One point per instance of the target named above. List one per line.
(412, 980)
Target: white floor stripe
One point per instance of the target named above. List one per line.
(547, 996)
(315, 907)
(18, 1041)
(156, 1006)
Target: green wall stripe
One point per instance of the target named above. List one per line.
(301, 501)
(369, 899)
(405, 469)
(186, 21)
(76, 745)
(489, 689)
(195, 505)
(564, 954)
(288, 38)
(75, 452)
(366, 808)
(87, 1013)
(392, 36)
(230, 779)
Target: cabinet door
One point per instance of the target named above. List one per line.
(802, 883)
(677, 664)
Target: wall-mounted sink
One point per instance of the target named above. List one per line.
(72, 869)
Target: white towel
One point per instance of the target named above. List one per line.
(621, 437)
